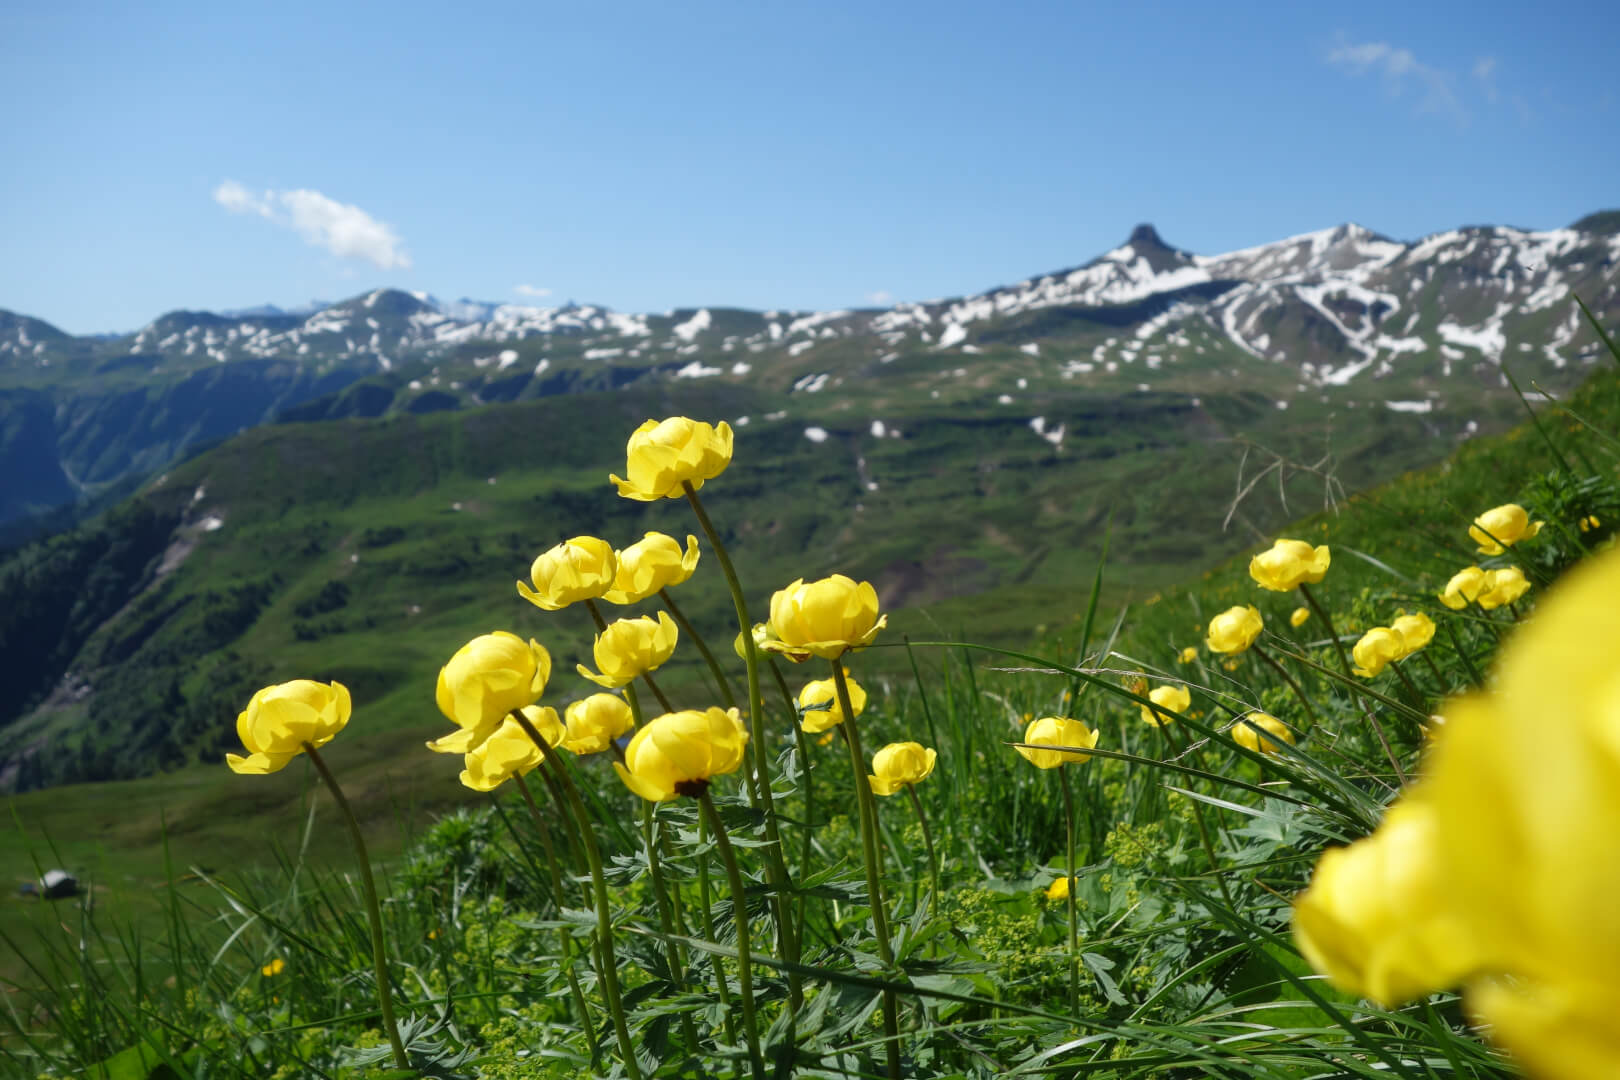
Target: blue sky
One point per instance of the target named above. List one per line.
(649, 155)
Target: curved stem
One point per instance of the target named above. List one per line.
(666, 920)
(596, 615)
(689, 631)
(708, 931)
(379, 948)
(1074, 918)
(933, 860)
(1304, 701)
(555, 871)
(739, 911)
(646, 677)
(1327, 621)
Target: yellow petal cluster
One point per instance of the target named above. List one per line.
(1463, 588)
(631, 647)
(1056, 731)
(1058, 890)
(579, 569)
(1376, 649)
(677, 753)
(273, 968)
(825, 618)
(652, 563)
(509, 751)
(1501, 527)
(280, 719)
(1187, 655)
(1289, 564)
(818, 704)
(761, 634)
(593, 723)
(487, 678)
(1503, 587)
(1416, 631)
(1172, 698)
(1299, 616)
(899, 764)
(1234, 630)
(1265, 741)
(665, 454)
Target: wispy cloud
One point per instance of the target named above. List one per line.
(881, 296)
(1400, 68)
(535, 291)
(1485, 72)
(341, 228)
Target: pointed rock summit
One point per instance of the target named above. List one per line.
(1146, 236)
(1150, 246)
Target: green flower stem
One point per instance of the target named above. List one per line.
(646, 677)
(596, 615)
(874, 882)
(739, 910)
(1439, 680)
(933, 860)
(689, 631)
(707, 912)
(666, 920)
(787, 941)
(1074, 917)
(1304, 701)
(805, 770)
(1417, 695)
(1327, 621)
(604, 912)
(552, 868)
(379, 948)
(1198, 817)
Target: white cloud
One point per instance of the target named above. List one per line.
(535, 291)
(343, 229)
(1399, 66)
(881, 296)
(1485, 72)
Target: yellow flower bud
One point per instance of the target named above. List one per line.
(652, 563)
(1463, 588)
(1297, 619)
(761, 634)
(1508, 524)
(1187, 655)
(665, 454)
(1056, 731)
(594, 722)
(818, 704)
(574, 570)
(1377, 648)
(1503, 587)
(1172, 698)
(631, 647)
(280, 719)
(1058, 890)
(273, 968)
(509, 751)
(1415, 631)
(677, 753)
(1234, 630)
(1264, 741)
(825, 618)
(1289, 564)
(487, 678)
(1590, 522)
(899, 764)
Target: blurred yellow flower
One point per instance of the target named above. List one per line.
(825, 739)
(279, 720)
(1058, 890)
(677, 753)
(487, 678)
(593, 723)
(273, 968)
(1503, 587)
(825, 618)
(1463, 588)
(1172, 698)
(1415, 632)
(1590, 522)
(899, 764)
(664, 454)
(1187, 655)
(1289, 564)
(509, 751)
(631, 647)
(1377, 648)
(574, 570)
(1297, 619)
(1056, 731)
(1234, 629)
(1265, 741)
(652, 563)
(818, 704)
(1508, 523)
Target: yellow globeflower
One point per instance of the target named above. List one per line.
(594, 722)
(279, 720)
(1056, 731)
(631, 647)
(761, 634)
(1172, 698)
(1187, 655)
(1377, 648)
(1234, 629)
(1415, 631)
(574, 570)
(898, 765)
(1464, 588)
(1503, 587)
(1297, 619)
(1289, 564)
(654, 562)
(664, 454)
(509, 751)
(1266, 740)
(676, 754)
(1508, 523)
(1058, 890)
(818, 704)
(825, 618)
(273, 968)
(487, 678)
